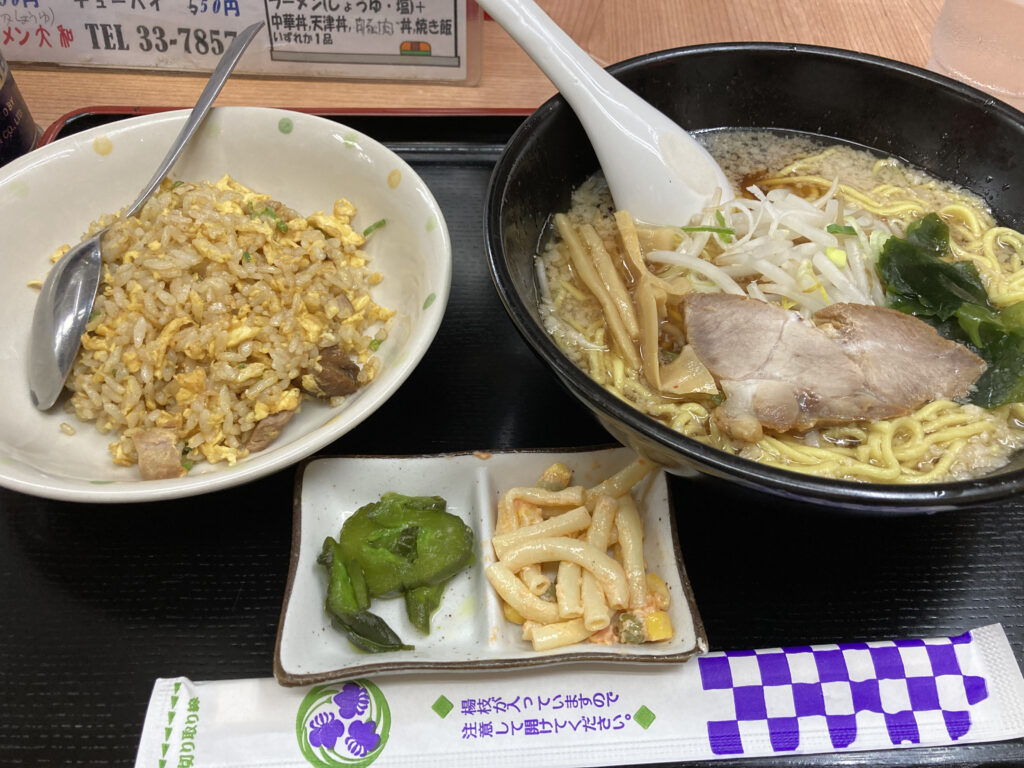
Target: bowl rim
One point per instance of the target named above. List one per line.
(969, 92)
(43, 484)
(849, 495)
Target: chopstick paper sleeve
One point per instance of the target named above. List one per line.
(842, 697)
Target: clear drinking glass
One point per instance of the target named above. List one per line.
(981, 42)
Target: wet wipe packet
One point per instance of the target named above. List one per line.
(839, 697)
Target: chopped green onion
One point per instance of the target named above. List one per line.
(282, 226)
(375, 226)
(726, 237)
(247, 256)
(177, 184)
(840, 229)
(375, 345)
(253, 213)
(240, 366)
(187, 464)
(94, 314)
(723, 231)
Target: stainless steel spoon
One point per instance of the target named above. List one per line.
(68, 293)
(655, 169)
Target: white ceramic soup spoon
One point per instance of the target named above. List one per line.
(655, 169)
(69, 291)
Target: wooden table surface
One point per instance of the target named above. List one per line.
(610, 30)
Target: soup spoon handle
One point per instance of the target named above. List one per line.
(655, 169)
(202, 106)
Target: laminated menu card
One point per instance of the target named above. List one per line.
(426, 40)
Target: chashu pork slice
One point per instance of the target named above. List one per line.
(903, 359)
(783, 373)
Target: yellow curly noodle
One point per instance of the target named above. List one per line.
(997, 252)
(923, 446)
(940, 441)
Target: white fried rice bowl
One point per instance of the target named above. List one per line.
(303, 161)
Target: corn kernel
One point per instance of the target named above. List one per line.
(658, 626)
(657, 587)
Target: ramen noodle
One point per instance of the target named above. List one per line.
(805, 232)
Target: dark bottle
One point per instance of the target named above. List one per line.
(18, 131)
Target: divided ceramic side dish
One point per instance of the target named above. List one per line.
(469, 630)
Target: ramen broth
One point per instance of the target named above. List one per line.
(805, 232)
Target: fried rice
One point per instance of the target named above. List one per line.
(215, 307)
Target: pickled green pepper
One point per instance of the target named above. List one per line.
(400, 545)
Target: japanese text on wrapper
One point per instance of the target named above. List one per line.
(186, 752)
(520, 716)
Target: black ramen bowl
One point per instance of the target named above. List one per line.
(937, 124)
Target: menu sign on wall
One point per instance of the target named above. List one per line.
(379, 39)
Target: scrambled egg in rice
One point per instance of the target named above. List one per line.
(219, 309)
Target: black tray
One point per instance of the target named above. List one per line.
(97, 601)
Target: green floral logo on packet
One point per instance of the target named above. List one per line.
(344, 725)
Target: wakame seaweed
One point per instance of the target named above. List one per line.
(951, 297)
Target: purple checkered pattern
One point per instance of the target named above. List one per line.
(785, 688)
